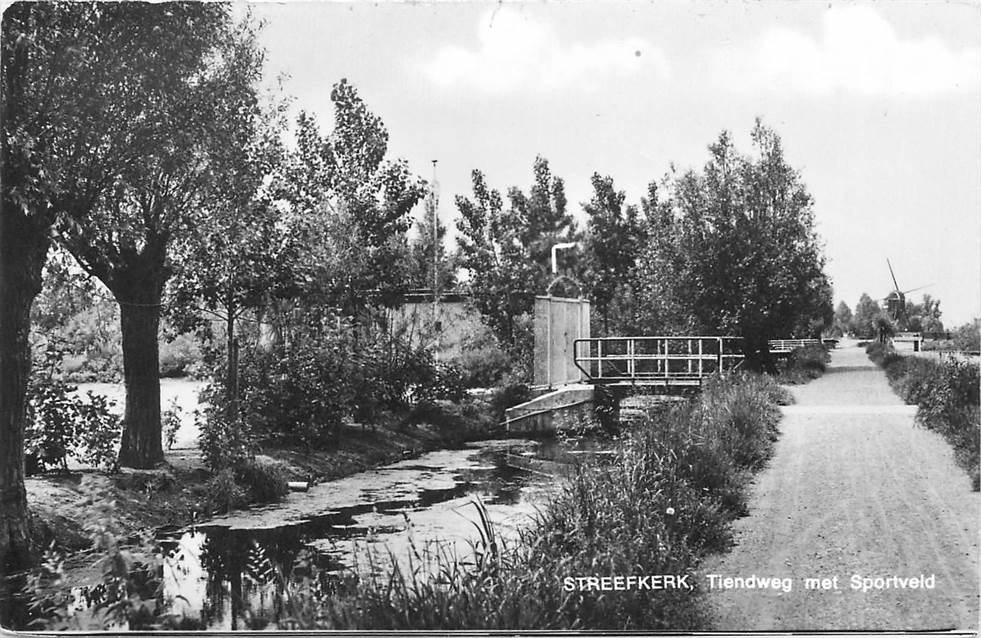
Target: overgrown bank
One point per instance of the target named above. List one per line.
(662, 503)
(947, 395)
(184, 490)
(665, 500)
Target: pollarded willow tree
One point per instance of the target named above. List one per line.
(86, 97)
(187, 80)
(745, 258)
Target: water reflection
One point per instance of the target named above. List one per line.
(233, 574)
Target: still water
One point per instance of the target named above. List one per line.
(179, 393)
(237, 566)
(231, 572)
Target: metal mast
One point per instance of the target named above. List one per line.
(434, 195)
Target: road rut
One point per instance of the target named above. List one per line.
(855, 487)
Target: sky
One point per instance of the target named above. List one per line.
(878, 106)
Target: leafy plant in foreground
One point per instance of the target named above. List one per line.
(61, 424)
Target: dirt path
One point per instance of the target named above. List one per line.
(854, 488)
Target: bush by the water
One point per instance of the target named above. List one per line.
(264, 480)
(482, 362)
(804, 364)
(300, 393)
(947, 392)
(665, 500)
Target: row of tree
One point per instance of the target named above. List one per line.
(869, 315)
(730, 249)
(135, 137)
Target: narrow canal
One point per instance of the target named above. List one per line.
(237, 567)
(233, 571)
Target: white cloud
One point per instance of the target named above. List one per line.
(518, 52)
(857, 51)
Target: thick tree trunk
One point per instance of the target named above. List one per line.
(23, 247)
(139, 311)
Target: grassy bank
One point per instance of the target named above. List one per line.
(184, 491)
(947, 394)
(665, 500)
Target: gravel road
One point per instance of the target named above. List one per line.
(855, 488)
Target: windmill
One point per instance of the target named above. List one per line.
(896, 301)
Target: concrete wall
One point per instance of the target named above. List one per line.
(559, 321)
(414, 319)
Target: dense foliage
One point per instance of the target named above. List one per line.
(611, 244)
(734, 250)
(506, 253)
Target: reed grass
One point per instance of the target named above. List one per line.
(664, 501)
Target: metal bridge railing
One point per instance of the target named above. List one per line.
(786, 345)
(908, 336)
(659, 360)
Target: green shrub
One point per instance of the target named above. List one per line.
(224, 443)
(179, 355)
(302, 392)
(482, 362)
(947, 394)
(61, 424)
(507, 396)
(299, 394)
(170, 423)
(263, 480)
(877, 351)
(803, 364)
(223, 492)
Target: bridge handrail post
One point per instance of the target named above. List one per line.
(691, 351)
(599, 359)
(631, 361)
(701, 374)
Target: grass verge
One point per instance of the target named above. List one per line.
(664, 501)
(947, 394)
